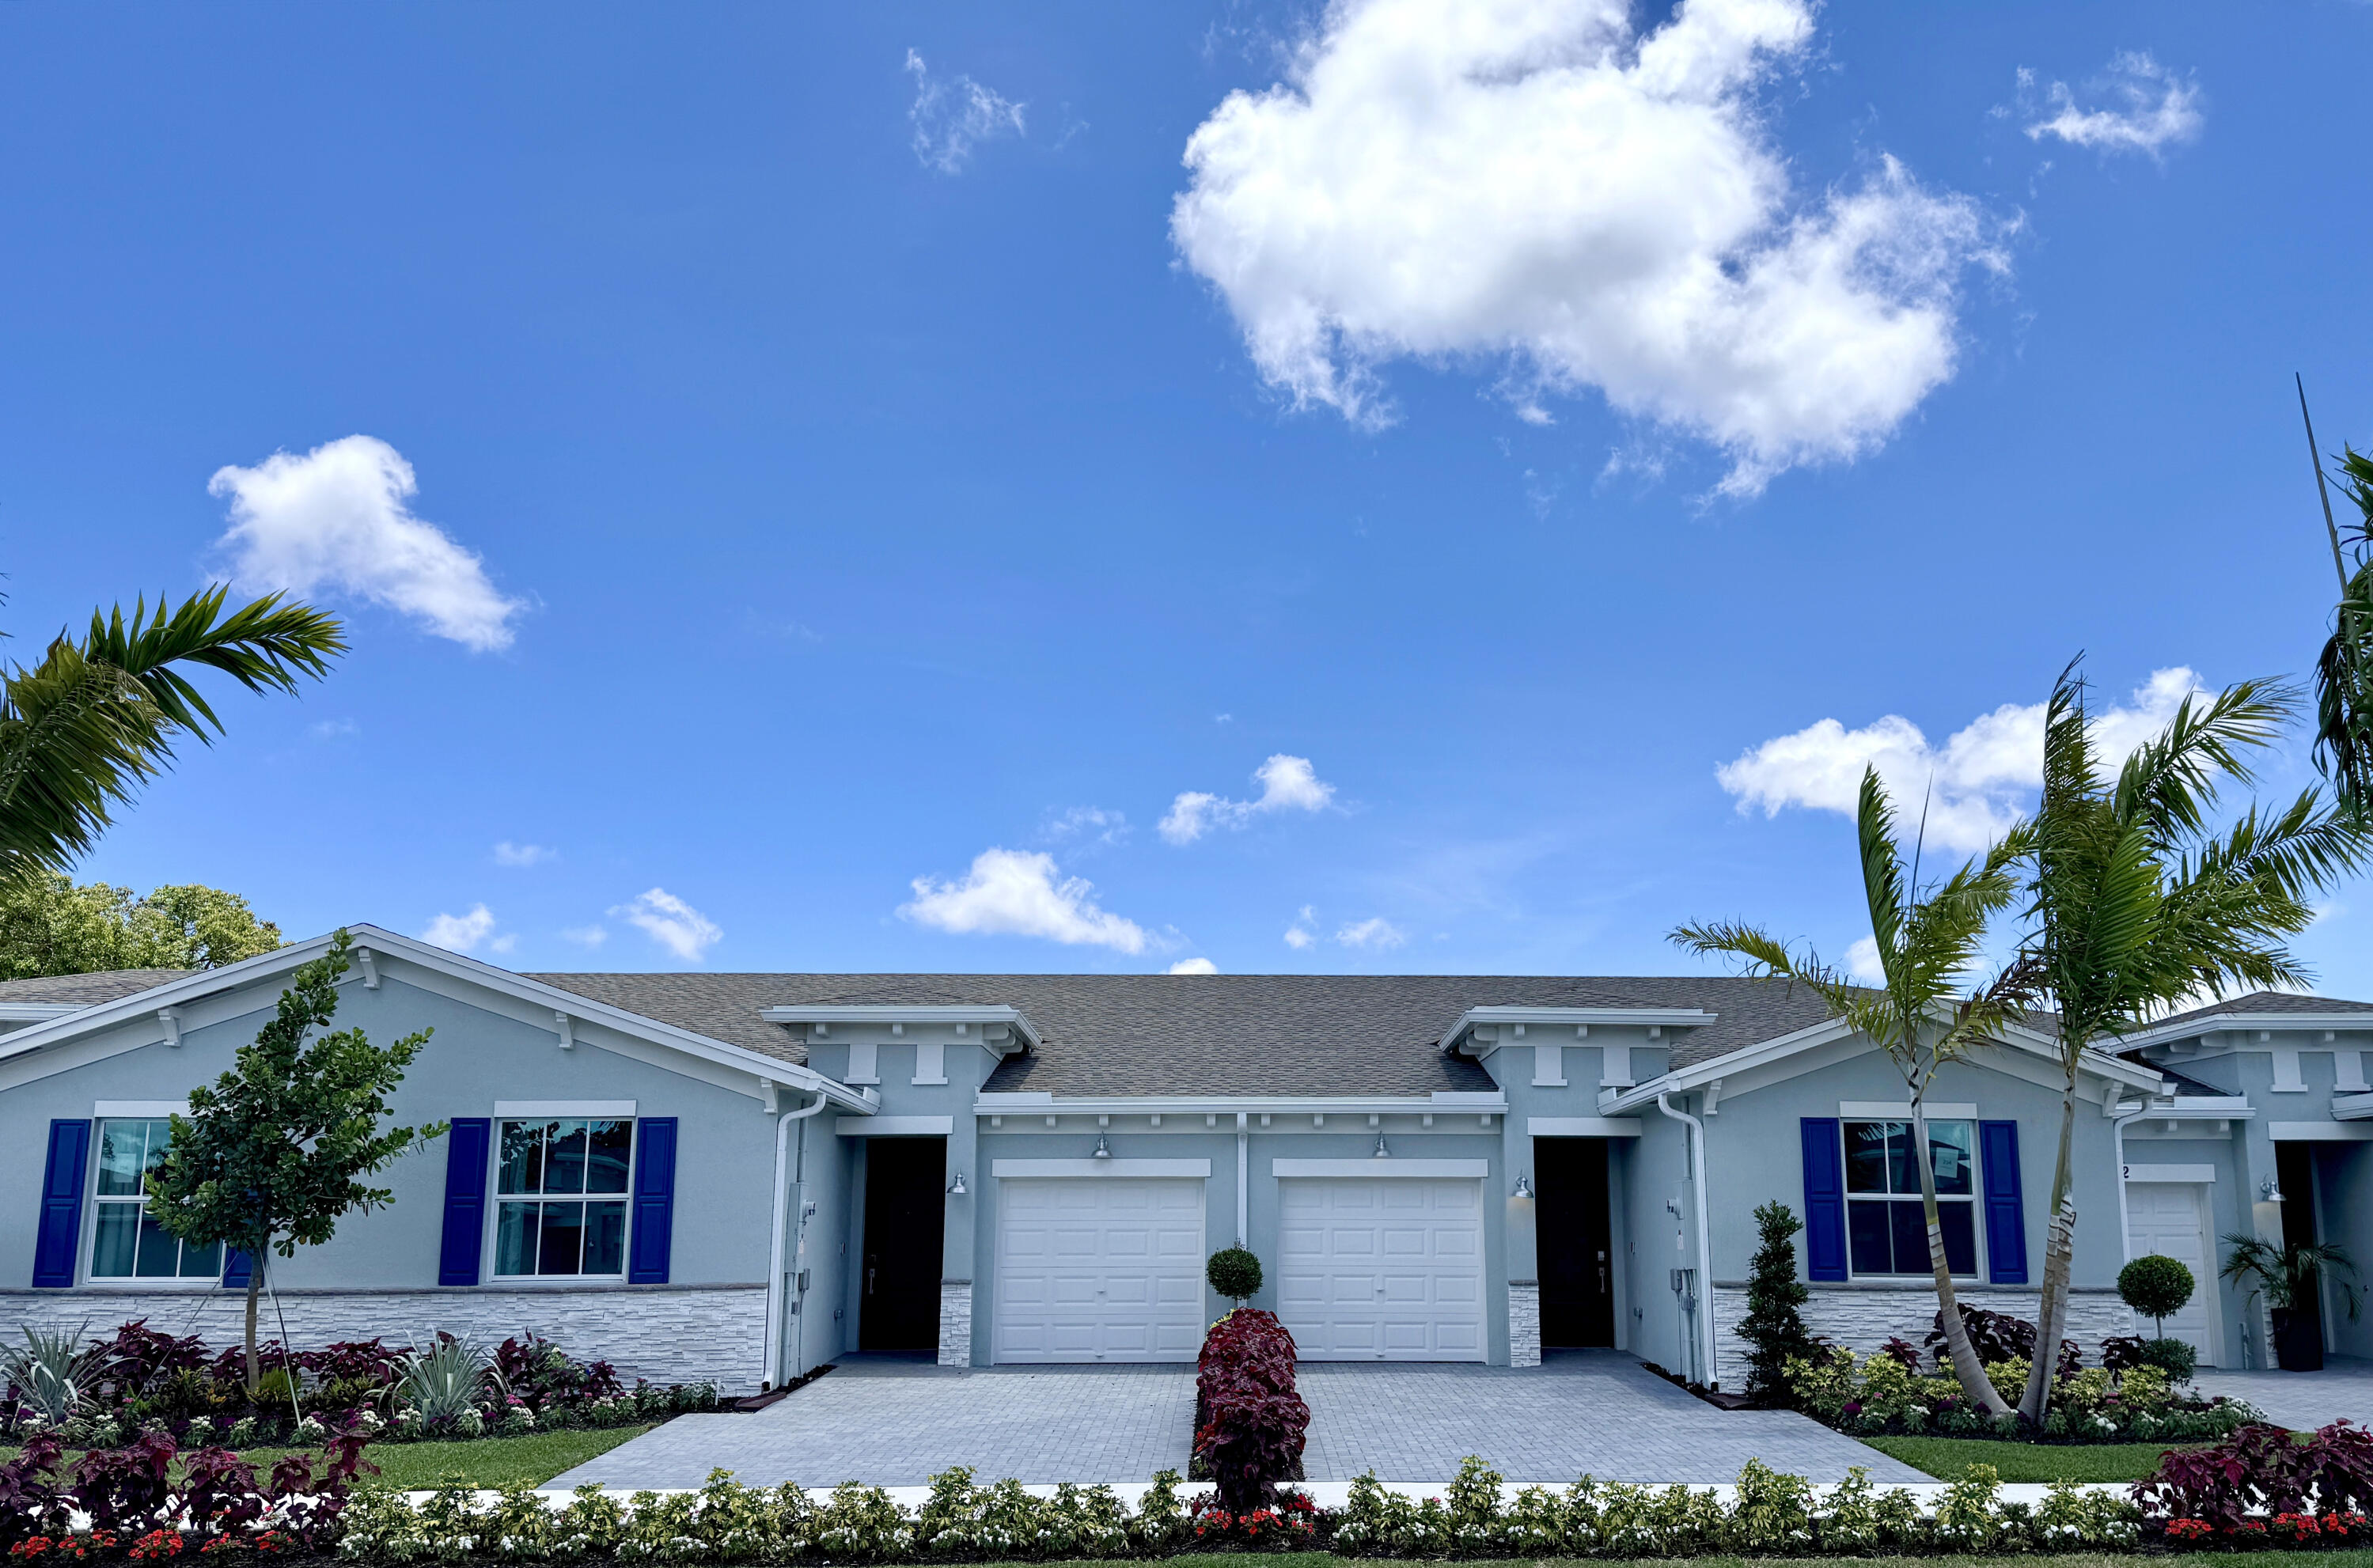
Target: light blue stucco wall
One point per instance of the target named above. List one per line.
(473, 1058)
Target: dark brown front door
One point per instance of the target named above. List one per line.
(1572, 1239)
(899, 1306)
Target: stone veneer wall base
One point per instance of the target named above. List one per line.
(1863, 1320)
(955, 1322)
(666, 1333)
(1524, 1323)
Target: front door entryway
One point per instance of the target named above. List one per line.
(898, 1283)
(1574, 1242)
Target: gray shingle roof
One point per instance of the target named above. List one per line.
(1216, 1033)
(86, 990)
(2266, 1003)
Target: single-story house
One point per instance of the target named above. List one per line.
(740, 1176)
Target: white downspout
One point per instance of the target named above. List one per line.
(775, 1254)
(1705, 1253)
(2117, 1148)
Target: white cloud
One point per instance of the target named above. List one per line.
(1299, 935)
(2150, 109)
(587, 936)
(1975, 785)
(331, 729)
(336, 518)
(1094, 824)
(509, 854)
(1535, 183)
(1375, 932)
(1194, 967)
(950, 117)
(1862, 961)
(460, 933)
(672, 923)
(1288, 783)
(1020, 893)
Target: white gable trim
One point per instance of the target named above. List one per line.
(214, 994)
(2224, 1022)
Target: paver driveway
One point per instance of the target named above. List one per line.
(2300, 1400)
(896, 1424)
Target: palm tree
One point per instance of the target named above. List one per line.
(2343, 674)
(82, 730)
(2135, 905)
(1928, 940)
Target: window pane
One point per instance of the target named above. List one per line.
(564, 1169)
(1900, 1173)
(515, 1239)
(605, 1169)
(1911, 1227)
(161, 1255)
(523, 1157)
(1950, 1147)
(606, 1238)
(1866, 1156)
(1866, 1223)
(202, 1263)
(112, 1249)
(564, 1238)
(1961, 1236)
(122, 1156)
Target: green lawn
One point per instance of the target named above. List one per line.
(1948, 1458)
(488, 1461)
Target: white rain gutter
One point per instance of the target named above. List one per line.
(775, 1257)
(1705, 1253)
(2117, 1152)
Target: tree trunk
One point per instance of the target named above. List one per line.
(1964, 1357)
(254, 1291)
(2059, 1243)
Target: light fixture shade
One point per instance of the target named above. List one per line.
(1524, 1186)
(956, 1187)
(1382, 1152)
(1104, 1149)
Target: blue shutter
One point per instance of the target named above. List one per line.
(2006, 1215)
(654, 1200)
(237, 1269)
(61, 1233)
(1825, 1199)
(465, 1200)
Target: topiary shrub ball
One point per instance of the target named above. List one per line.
(1234, 1273)
(2155, 1285)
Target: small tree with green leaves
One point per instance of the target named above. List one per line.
(1234, 1273)
(1773, 1324)
(273, 1155)
(2157, 1286)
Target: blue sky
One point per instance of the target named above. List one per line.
(840, 453)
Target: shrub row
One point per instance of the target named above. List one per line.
(1887, 1392)
(150, 1500)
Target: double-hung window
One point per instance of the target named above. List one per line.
(127, 1242)
(1886, 1231)
(560, 1196)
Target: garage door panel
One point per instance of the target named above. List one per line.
(1383, 1269)
(1100, 1269)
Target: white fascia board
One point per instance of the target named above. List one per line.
(2221, 1023)
(388, 944)
(2189, 1108)
(1666, 1017)
(37, 1012)
(823, 1013)
(2098, 1063)
(987, 1104)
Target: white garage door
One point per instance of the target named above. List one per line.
(2165, 1217)
(1099, 1269)
(1382, 1269)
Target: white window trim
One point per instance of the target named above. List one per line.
(531, 1110)
(497, 1197)
(1866, 1110)
(87, 1259)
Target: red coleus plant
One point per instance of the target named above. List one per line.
(2260, 1470)
(1252, 1422)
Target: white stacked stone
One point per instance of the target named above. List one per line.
(666, 1333)
(1863, 1320)
(955, 1322)
(1524, 1325)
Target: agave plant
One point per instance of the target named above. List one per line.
(53, 1373)
(446, 1380)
